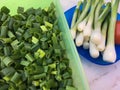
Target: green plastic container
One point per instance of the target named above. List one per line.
(79, 78)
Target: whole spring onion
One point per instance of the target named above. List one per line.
(80, 36)
(86, 26)
(96, 34)
(101, 46)
(89, 26)
(109, 54)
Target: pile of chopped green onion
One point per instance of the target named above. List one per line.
(94, 27)
(32, 51)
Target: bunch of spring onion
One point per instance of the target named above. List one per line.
(94, 27)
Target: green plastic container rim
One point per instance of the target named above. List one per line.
(79, 77)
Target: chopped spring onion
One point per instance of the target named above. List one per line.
(25, 63)
(7, 71)
(39, 76)
(48, 24)
(6, 51)
(4, 87)
(5, 10)
(40, 53)
(7, 61)
(16, 78)
(35, 83)
(4, 17)
(11, 35)
(34, 40)
(29, 57)
(43, 28)
(32, 51)
(3, 31)
(5, 40)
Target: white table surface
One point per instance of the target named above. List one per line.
(99, 77)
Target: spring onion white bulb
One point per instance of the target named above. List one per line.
(79, 39)
(86, 45)
(109, 54)
(88, 29)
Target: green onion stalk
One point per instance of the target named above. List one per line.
(101, 46)
(96, 36)
(75, 13)
(89, 26)
(98, 10)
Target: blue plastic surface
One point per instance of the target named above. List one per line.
(85, 53)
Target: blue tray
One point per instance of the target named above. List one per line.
(85, 53)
